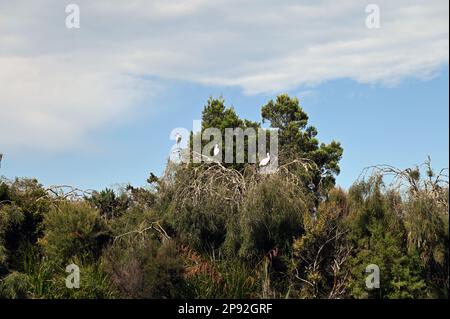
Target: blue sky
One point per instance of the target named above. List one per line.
(376, 125)
(94, 107)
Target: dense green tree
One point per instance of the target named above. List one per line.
(426, 223)
(298, 140)
(108, 203)
(379, 235)
(216, 115)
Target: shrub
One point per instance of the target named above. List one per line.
(10, 217)
(321, 253)
(108, 203)
(22, 207)
(145, 268)
(270, 217)
(426, 223)
(73, 229)
(14, 286)
(379, 235)
(94, 283)
(230, 279)
(198, 205)
(134, 219)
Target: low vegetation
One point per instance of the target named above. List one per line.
(214, 230)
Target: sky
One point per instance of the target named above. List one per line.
(94, 106)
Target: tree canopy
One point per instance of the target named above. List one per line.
(225, 230)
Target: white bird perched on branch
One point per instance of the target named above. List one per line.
(265, 160)
(216, 150)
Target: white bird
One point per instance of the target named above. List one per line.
(265, 160)
(216, 150)
(1, 157)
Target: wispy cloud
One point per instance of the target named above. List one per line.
(58, 84)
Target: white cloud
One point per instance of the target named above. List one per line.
(51, 104)
(57, 85)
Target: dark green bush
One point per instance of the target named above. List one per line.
(426, 224)
(145, 269)
(196, 215)
(270, 217)
(22, 209)
(108, 203)
(73, 229)
(14, 286)
(320, 249)
(378, 233)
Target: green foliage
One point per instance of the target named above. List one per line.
(108, 203)
(426, 223)
(237, 280)
(145, 269)
(21, 214)
(73, 229)
(200, 221)
(14, 286)
(3, 258)
(202, 226)
(134, 219)
(142, 197)
(226, 231)
(379, 234)
(216, 115)
(297, 140)
(321, 250)
(94, 283)
(40, 273)
(270, 217)
(47, 280)
(4, 190)
(10, 218)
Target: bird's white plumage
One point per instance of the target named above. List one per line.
(216, 150)
(265, 160)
